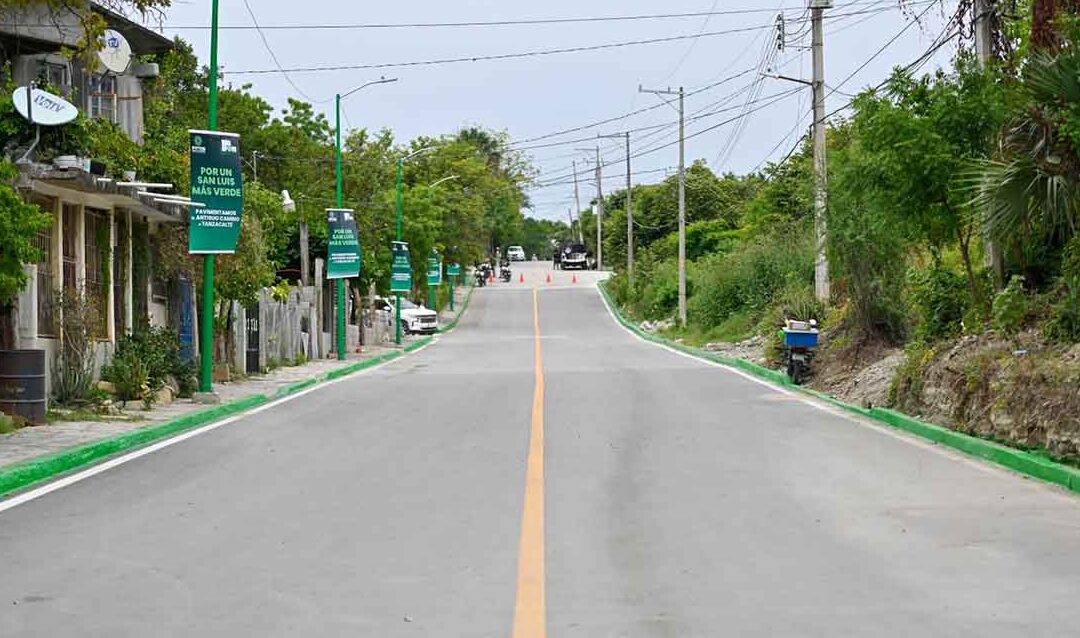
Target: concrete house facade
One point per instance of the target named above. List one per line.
(101, 241)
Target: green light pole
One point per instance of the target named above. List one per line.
(206, 328)
(341, 202)
(400, 197)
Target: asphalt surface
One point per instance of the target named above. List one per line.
(681, 499)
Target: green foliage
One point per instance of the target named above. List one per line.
(1010, 308)
(73, 369)
(19, 225)
(940, 298)
(148, 357)
(750, 278)
(280, 291)
(1064, 322)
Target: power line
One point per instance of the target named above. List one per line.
(501, 56)
(498, 23)
(273, 56)
(624, 116)
(523, 54)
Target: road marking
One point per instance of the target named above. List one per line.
(529, 608)
(77, 477)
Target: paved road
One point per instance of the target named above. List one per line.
(646, 494)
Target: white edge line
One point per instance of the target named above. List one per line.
(82, 475)
(900, 435)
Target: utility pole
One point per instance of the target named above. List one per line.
(305, 257)
(821, 263)
(577, 203)
(599, 214)
(255, 165)
(984, 48)
(682, 191)
(629, 208)
(629, 216)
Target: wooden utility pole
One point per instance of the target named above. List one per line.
(599, 213)
(984, 48)
(821, 193)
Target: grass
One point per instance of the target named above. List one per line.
(737, 327)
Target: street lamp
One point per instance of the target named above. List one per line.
(400, 171)
(431, 291)
(440, 181)
(340, 202)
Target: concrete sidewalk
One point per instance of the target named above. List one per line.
(36, 441)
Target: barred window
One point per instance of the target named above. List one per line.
(45, 291)
(96, 242)
(69, 241)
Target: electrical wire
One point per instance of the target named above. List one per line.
(523, 54)
(273, 56)
(502, 23)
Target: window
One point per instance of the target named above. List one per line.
(96, 242)
(69, 240)
(56, 75)
(120, 275)
(46, 321)
(101, 97)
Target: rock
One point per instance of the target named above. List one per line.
(171, 382)
(164, 396)
(107, 387)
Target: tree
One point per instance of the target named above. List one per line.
(20, 223)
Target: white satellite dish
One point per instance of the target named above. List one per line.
(43, 107)
(115, 51)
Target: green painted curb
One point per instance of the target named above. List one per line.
(464, 304)
(1026, 463)
(38, 470)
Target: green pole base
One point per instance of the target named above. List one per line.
(341, 319)
(397, 319)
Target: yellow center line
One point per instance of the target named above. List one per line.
(529, 608)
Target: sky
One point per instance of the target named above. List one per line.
(722, 60)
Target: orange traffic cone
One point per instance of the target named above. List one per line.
(521, 279)
(574, 280)
(491, 277)
(549, 278)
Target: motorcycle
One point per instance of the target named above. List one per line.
(800, 339)
(481, 275)
(504, 272)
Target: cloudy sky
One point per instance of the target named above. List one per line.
(538, 95)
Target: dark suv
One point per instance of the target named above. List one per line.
(572, 257)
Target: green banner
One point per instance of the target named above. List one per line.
(434, 269)
(342, 245)
(453, 270)
(400, 269)
(218, 184)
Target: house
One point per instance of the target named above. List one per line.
(101, 242)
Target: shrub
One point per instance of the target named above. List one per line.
(1064, 322)
(1011, 307)
(73, 370)
(750, 277)
(156, 351)
(939, 297)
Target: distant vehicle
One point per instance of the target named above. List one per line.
(414, 318)
(572, 257)
(515, 253)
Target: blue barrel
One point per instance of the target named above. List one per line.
(22, 384)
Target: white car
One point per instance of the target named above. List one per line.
(515, 253)
(414, 318)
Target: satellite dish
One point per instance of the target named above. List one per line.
(43, 107)
(115, 53)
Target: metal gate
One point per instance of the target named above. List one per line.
(252, 329)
